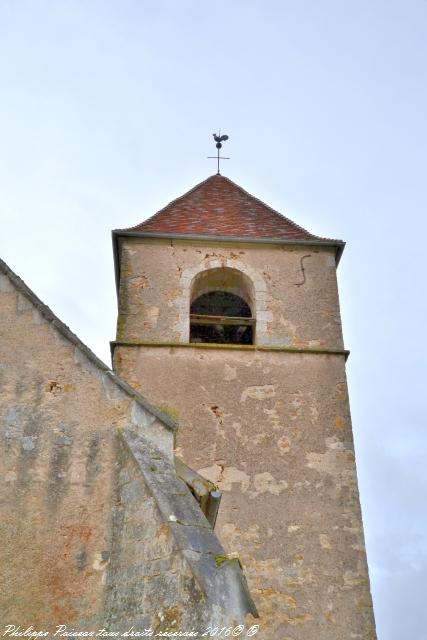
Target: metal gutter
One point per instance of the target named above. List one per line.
(205, 492)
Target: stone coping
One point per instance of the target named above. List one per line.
(219, 576)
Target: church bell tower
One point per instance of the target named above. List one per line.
(229, 321)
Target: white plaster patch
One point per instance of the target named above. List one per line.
(334, 444)
(334, 463)
(225, 477)
(231, 476)
(212, 473)
(266, 483)
(352, 579)
(258, 393)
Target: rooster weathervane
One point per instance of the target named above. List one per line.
(219, 139)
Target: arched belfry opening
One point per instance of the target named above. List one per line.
(222, 308)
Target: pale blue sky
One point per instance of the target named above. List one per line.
(106, 113)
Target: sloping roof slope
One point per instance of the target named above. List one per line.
(219, 207)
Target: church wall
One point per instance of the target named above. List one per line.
(273, 430)
(58, 417)
(293, 307)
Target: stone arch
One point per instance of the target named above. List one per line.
(221, 302)
(252, 286)
(226, 279)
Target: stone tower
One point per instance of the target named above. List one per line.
(229, 320)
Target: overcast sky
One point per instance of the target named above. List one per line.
(106, 113)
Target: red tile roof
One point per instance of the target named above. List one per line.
(219, 207)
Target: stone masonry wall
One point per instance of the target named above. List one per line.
(58, 414)
(269, 425)
(273, 431)
(156, 276)
(88, 532)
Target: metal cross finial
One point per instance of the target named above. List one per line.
(219, 139)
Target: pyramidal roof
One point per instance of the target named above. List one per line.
(219, 207)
